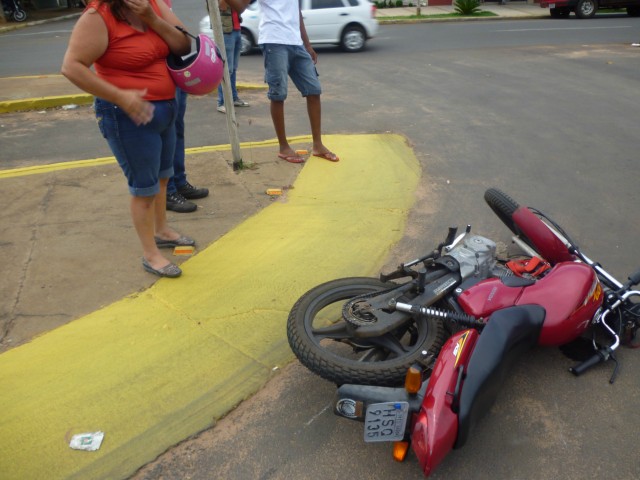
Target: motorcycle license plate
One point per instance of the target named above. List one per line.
(385, 422)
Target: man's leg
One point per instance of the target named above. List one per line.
(314, 110)
(277, 117)
(179, 191)
(179, 176)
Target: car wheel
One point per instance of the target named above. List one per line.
(246, 42)
(586, 8)
(633, 11)
(353, 38)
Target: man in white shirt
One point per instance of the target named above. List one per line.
(287, 53)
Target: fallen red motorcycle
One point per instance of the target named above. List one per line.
(454, 328)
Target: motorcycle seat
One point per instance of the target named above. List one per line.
(508, 334)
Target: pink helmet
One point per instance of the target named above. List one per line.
(200, 72)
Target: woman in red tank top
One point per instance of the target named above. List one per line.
(128, 41)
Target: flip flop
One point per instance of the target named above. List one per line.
(170, 271)
(291, 158)
(332, 157)
(178, 242)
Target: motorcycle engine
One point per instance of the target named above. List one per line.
(476, 256)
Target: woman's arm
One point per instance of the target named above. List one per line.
(89, 40)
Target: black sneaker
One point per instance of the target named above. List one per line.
(177, 203)
(192, 193)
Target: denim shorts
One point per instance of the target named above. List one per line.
(144, 152)
(294, 61)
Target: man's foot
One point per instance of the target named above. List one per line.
(332, 157)
(190, 192)
(291, 158)
(222, 109)
(177, 203)
(240, 103)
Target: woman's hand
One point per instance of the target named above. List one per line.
(134, 105)
(142, 8)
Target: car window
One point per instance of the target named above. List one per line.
(354, 3)
(317, 4)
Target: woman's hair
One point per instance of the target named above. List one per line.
(117, 8)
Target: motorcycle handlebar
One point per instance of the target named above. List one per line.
(634, 278)
(579, 369)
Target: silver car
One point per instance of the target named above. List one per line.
(348, 23)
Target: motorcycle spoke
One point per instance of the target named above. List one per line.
(374, 355)
(336, 331)
(389, 343)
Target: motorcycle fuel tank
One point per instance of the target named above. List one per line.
(436, 426)
(570, 294)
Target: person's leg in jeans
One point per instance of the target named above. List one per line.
(237, 45)
(276, 66)
(179, 175)
(305, 77)
(179, 190)
(145, 155)
(229, 47)
(232, 47)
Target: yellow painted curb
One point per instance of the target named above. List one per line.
(55, 167)
(163, 364)
(38, 103)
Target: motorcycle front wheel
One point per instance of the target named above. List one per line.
(19, 15)
(325, 343)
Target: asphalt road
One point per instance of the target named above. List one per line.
(550, 119)
(546, 110)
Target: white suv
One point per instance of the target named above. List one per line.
(348, 23)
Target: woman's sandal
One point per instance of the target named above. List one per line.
(178, 242)
(170, 271)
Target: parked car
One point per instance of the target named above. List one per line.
(588, 8)
(348, 23)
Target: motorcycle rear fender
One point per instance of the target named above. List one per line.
(436, 425)
(351, 401)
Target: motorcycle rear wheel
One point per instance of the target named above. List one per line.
(323, 341)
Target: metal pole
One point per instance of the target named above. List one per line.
(232, 124)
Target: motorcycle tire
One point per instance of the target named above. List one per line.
(323, 342)
(504, 207)
(19, 15)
